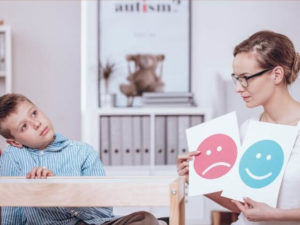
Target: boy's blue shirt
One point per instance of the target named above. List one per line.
(64, 158)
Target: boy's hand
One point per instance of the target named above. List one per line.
(39, 172)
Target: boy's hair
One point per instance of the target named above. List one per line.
(8, 105)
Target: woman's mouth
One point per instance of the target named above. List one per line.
(246, 99)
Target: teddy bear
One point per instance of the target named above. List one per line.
(144, 77)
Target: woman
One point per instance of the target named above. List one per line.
(264, 65)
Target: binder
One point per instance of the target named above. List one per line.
(183, 124)
(137, 140)
(126, 140)
(172, 130)
(146, 140)
(196, 119)
(115, 140)
(160, 137)
(104, 140)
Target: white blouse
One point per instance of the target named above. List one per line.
(289, 194)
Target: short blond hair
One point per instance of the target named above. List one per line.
(8, 105)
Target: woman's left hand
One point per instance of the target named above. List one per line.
(255, 211)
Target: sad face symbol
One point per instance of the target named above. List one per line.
(218, 155)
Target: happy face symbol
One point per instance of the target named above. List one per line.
(261, 163)
(218, 155)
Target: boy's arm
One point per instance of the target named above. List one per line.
(10, 215)
(92, 165)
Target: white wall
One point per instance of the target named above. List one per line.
(46, 51)
(46, 58)
(220, 25)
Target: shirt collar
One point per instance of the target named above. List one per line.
(58, 144)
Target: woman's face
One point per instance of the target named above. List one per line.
(260, 89)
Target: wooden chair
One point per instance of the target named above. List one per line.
(223, 217)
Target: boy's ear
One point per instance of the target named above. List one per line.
(13, 143)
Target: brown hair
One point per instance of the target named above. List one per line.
(272, 49)
(8, 105)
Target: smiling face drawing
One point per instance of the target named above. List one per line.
(218, 155)
(261, 163)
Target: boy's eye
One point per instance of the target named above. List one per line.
(23, 127)
(34, 113)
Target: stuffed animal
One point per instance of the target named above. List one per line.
(144, 77)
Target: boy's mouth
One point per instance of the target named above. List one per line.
(44, 131)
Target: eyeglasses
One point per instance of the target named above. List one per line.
(244, 80)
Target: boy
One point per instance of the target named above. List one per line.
(36, 151)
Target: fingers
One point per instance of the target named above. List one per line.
(32, 173)
(39, 172)
(240, 205)
(250, 202)
(187, 156)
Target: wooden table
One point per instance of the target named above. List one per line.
(97, 192)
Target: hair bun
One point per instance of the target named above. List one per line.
(295, 68)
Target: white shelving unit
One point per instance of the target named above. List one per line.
(197, 209)
(5, 60)
(5, 66)
(92, 125)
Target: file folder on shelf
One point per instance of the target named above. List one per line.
(115, 140)
(126, 140)
(172, 129)
(196, 119)
(183, 124)
(160, 137)
(104, 140)
(146, 140)
(137, 140)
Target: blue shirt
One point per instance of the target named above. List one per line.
(64, 158)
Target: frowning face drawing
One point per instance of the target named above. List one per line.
(218, 155)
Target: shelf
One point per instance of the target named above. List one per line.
(154, 110)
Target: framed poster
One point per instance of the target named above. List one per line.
(146, 27)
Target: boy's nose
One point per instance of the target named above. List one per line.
(36, 124)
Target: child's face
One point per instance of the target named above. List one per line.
(29, 127)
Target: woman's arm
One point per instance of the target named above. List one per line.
(259, 211)
(183, 170)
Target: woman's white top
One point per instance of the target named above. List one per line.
(289, 194)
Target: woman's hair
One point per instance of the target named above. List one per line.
(272, 49)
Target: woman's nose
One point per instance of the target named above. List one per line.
(238, 87)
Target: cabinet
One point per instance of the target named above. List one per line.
(141, 141)
(5, 60)
(5, 66)
(92, 118)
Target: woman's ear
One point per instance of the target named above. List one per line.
(278, 75)
(13, 143)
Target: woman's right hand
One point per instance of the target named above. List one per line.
(183, 164)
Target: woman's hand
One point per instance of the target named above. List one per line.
(39, 172)
(256, 211)
(183, 164)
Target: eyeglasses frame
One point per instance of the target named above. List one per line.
(237, 79)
